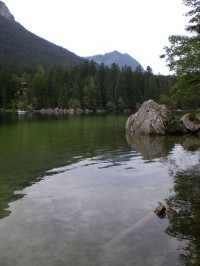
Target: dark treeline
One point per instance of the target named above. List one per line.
(85, 86)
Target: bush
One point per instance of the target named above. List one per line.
(74, 103)
(194, 118)
(174, 127)
(111, 106)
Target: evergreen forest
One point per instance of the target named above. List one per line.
(85, 86)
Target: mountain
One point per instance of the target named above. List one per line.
(115, 57)
(19, 48)
(4, 11)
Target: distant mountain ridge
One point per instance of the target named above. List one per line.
(19, 48)
(115, 57)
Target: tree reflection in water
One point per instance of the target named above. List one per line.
(184, 213)
(183, 206)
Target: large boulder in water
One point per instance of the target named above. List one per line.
(151, 118)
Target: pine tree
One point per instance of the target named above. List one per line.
(40, 88)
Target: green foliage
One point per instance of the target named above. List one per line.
(40, 88)
(194, 118)
(22, 104)
(194, 15)
(63, 97)
(90, 95)
(183, 57)
(84, 86)
(111, 107)
(121, 104)
(164, 99)
(174, 127)
(198, 113)
(74, 103)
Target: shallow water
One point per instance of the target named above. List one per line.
(79, 191)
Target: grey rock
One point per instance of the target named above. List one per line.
(191, 125)
(79, 111)
(151, 118)
(71, 111)
(56, 110)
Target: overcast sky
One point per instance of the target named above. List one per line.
(88, 27)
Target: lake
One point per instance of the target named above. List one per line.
(77, 190)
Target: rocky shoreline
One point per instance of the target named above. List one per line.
(62, 111)
(152, 118)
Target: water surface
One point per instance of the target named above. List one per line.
(76, 190)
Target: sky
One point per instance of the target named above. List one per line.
(88, 27)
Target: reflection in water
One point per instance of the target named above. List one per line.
(89, 214)
(30, 146)
(95, 206)
(184, 212)
(152, 147)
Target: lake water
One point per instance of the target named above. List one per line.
(76, 190)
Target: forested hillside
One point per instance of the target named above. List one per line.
(21, 49)
(84, 86)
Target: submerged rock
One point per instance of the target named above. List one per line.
(151, 118)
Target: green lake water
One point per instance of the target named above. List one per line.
(77, 190)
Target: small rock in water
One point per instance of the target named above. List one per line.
(160, 209)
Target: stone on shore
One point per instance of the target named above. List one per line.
(191, 123)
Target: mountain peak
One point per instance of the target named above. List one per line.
(116, 57)
(4, 11)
